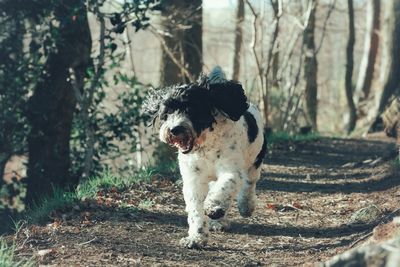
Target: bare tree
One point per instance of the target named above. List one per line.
(182, 59)
(391, 35)
(392, 84)
(371, 43)
(349, 69)
(85, 100)
(276, 6)
(310, 68)
(238, 40)
(264, 64)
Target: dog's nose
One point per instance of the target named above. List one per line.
(177, 130)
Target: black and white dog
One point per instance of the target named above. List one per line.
(221, 147)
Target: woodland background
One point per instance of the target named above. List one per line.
(73, 75)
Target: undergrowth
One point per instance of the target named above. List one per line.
(39, 212)
(88, 189)
(7, 256)
(280, 137)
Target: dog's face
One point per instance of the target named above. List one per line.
(185, 111)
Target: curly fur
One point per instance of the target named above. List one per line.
(221, 146)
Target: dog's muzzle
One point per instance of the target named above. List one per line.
(182, 138)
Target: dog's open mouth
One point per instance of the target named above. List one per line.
(183, 142)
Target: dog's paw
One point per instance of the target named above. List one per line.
(215, 212)
(246, 207)
(219, 225)
(196, 242)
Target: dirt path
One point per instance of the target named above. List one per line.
(307, 195)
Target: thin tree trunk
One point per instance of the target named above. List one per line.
(349, 69)
(371, 45)
(392, 84)
(311, 69)
(184, 42)
(275, 68)
(238, 40)
(12, 137)
(51, 107)
(275, 52)
(390, 59)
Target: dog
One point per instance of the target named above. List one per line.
(221, 145)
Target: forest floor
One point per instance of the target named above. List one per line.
(307, 194)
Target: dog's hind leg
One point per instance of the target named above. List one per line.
(247, 196)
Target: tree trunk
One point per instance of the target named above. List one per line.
(238, 40)
(275, 67)
(371, 45)
(275, 55)
(182, 19)
(349, 69)
(392, 84)
(310, 70)
(390, 59)
(12, 134)
(51, 107)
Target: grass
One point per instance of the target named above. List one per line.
(7, 256)
(167, 170)
(90, 187)
(280, 137)
(40, 212)
(7, 252)
(145, 204)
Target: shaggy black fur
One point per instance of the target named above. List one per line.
(252, 128)
(193, 101)
(261, 154)
(229, 98)
(198, 101)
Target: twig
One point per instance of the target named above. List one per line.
(171, 54)
(253, 45)
(306, 15)
(277, 14)
(362, 238)
(331, 8)
(87, 242)
(19, 229)
(23, 244)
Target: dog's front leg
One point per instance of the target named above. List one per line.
(194, 192)
(221, 194)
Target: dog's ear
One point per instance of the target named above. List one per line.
(229, 98)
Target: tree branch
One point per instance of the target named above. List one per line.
(171, 54)
(331, 8)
